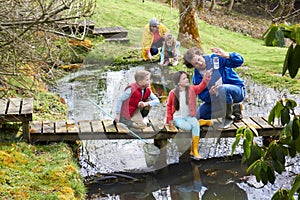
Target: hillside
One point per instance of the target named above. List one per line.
(247, 18)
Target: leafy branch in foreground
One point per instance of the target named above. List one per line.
(264, 161)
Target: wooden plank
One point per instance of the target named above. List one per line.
(48, 127)
(121, 128)
(14, 106)
(60, 127)
(264, 124)
(251, 123)
(148, 129)
(158, 125)
(109, 126)
(72, 127)
(171, 128)
(35, 127)
(277, 123)
(97, 127)
(27, 106)
(16, 118)
(84, 127)
(239, 124)
(3, 106)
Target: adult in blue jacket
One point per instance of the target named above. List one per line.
(225, 88)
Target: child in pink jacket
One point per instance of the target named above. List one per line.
(181, 106)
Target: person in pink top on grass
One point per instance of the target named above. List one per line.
(152, 39)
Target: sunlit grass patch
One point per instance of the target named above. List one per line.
(29, 172)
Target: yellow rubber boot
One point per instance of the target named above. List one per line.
(194, 149)
(205, 122)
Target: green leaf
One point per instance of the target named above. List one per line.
(295, 186)
(295, 128)
(279, 154)
(278, 108)
(297, 146)
(271, 116)
(278, 166)
(264, 177)
(297, 35)
(257, 171)
(295, 64)
(240, 130)
(236, 142)
(288, 56)
(292, 151)
(248, 135)
(290, 103)
(281, 194)
(256, 154)
(271, 175)
(247, 149)
(279, 38)
(270, 36)
(271, 150)
(253, 166)
(285, 116)
(264, 166)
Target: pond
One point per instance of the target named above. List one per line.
(117, 169)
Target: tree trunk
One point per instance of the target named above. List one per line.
(230, 5)
(188, 28)
(212, 5)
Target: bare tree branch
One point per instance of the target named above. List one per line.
(29, 29)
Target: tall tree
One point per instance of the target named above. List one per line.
(188, 27)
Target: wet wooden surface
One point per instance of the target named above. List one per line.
(105, 129)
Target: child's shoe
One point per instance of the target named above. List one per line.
(167, 61)
(175, 61)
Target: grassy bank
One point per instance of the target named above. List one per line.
(39, 172)
(263, 64)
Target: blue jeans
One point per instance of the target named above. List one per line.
(228, 94)
(189, 124)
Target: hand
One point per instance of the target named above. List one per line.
(143, 104)
(161, 64)
(117, 118)
(214, 90)
(207, 75)
(220, 52)
(149, 56)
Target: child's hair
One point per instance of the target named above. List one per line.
(189, 55)
(141, 75)
(169, 37)
(176, 79)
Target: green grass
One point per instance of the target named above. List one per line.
(262, 64)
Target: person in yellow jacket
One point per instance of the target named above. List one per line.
(153, 38)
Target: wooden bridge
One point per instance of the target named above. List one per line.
(20, 110)
(105, 129)
(111, 33)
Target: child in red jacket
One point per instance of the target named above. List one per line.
(134, 104)
(181, 106)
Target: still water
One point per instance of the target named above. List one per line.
(125, 162)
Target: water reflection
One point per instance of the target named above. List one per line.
(104, 88)
(212, 179)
